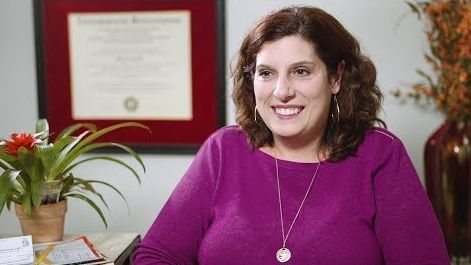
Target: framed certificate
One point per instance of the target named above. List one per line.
(158, 62)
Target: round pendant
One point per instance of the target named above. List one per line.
(283, 255)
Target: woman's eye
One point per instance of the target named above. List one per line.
(301, 72)
(264, 73)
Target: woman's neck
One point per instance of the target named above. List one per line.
(296, 151)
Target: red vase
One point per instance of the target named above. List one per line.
(447, 177)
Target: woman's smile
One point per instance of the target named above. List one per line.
(287, 112)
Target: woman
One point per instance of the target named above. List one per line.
(305, 178)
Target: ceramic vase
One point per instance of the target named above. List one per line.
(447, 177)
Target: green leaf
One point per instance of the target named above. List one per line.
(15, 194)
(22, 183)
(5, 165)
(37, 173)
(36, 192)
(86, 186)
(91, 203)
(67, 132)
(42, 125)
(67, 184)
(8, 204)
(109, 158)
(109, 186)
(132, 153)
(26, 160)
(65, 157)
(120, 146)
(47, 156)
(42, 130)
(84, 145)
(59, 144)
(26, 203)
(109, 129)
(6, 157)
(6, 182)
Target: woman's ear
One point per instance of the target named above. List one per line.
(337, 80)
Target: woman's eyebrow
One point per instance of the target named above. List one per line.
(263, 66)
(302, 63)
(293, 65)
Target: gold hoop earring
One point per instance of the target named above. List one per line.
(255, 115)
(338, 109)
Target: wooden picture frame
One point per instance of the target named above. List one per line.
(158, 62)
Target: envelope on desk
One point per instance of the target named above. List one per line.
(16, 250)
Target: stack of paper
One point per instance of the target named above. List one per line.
(75, 251)
(16, 250)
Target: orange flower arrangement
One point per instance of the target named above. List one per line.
(449, 34)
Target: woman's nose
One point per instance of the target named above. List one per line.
(283, 89)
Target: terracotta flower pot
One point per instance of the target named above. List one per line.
(46, 223)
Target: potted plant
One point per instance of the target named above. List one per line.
(38, 174)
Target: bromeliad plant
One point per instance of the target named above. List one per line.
(30, 163)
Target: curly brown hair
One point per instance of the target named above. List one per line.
(359, 98)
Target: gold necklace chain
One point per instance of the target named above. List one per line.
(284, 253)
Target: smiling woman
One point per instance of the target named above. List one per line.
(305, 177)
(333, 51)
(293, 94)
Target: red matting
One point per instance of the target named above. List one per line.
(208, 108)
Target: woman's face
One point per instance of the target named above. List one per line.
(292, 89)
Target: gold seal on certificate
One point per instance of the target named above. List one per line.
(131, 104)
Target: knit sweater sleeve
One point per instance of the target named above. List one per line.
(406, 226)
(175, 235)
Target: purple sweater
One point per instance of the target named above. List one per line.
(369, 209)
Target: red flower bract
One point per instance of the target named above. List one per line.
(25, 140)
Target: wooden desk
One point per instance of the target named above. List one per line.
(118, 247)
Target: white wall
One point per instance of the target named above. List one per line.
(385, 28)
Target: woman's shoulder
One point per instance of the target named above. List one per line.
(228, 132)
(228, 136)
(380, 135)
(380, 140)
(379, 147)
